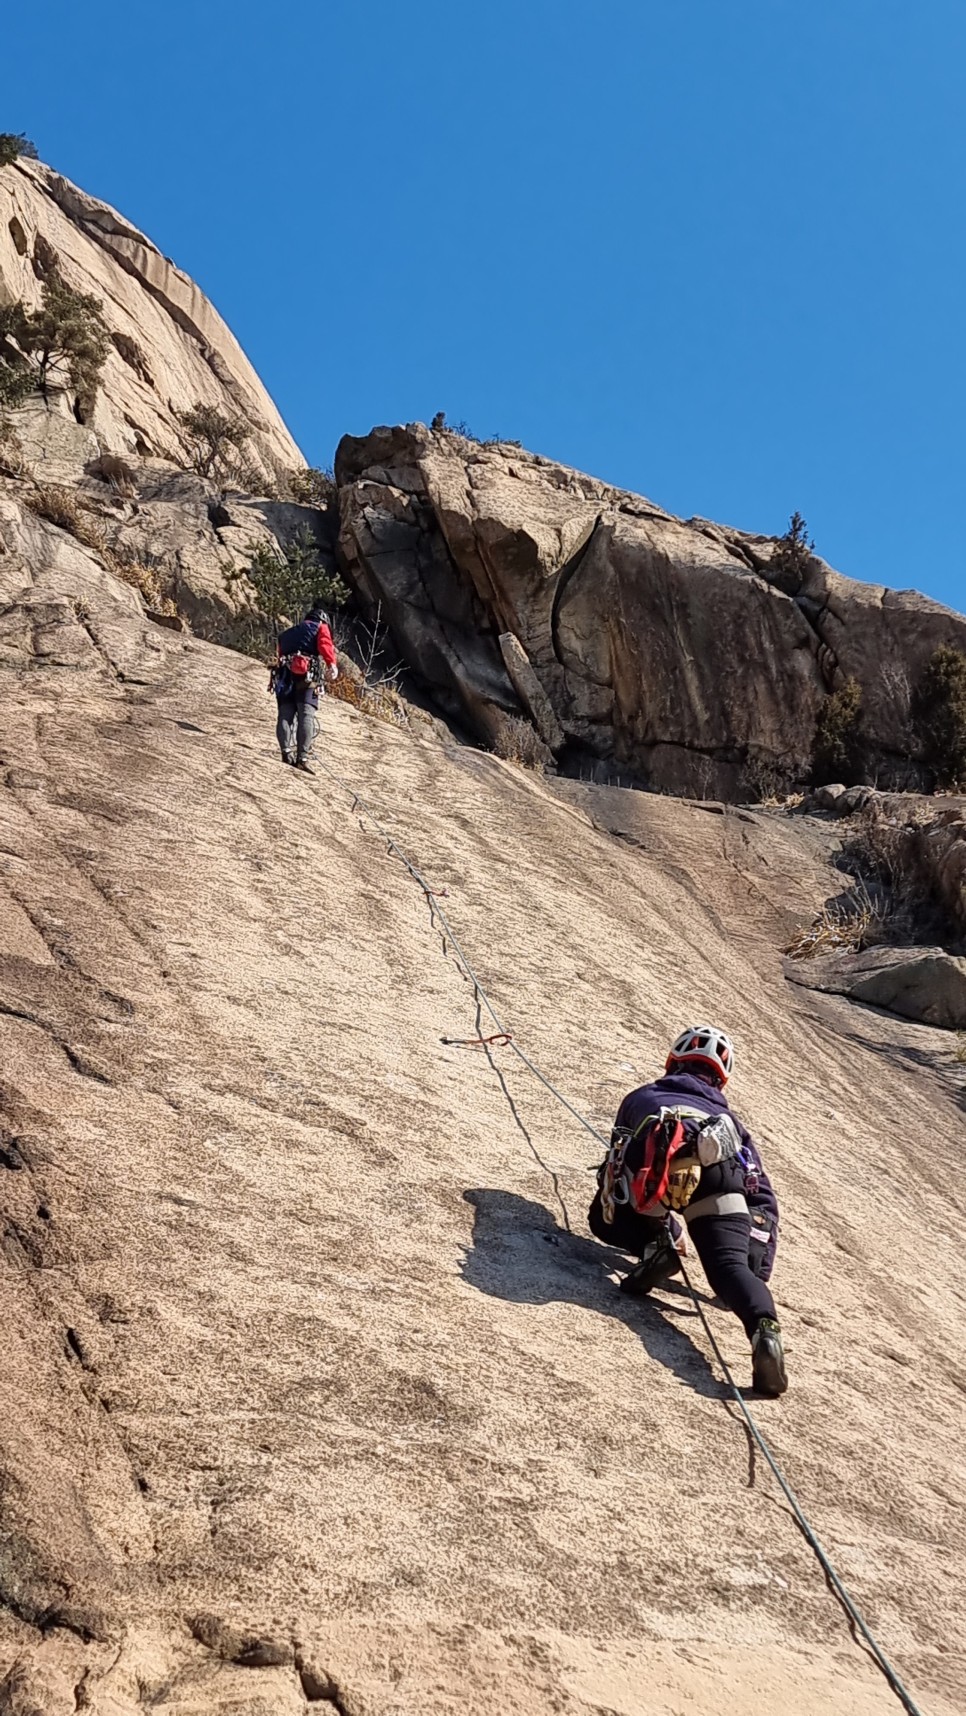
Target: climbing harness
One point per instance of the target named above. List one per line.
(669, 1149)
(294, 674)
(858, 1624)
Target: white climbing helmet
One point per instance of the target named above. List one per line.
(708, 1047)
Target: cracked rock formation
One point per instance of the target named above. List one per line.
(169, 346)
(660, 645)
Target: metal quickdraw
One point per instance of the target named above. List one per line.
(612, 1179)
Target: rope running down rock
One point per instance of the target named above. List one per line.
(858, 1624)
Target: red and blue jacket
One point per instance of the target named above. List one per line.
(311, 638)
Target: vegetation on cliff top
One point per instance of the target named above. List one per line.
(13, 145)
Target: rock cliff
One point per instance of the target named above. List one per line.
(663, 647)
(169, 346)
(315, 1394)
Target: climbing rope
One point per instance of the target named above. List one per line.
(859, 1626)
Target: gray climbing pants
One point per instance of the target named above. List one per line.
(297, 726)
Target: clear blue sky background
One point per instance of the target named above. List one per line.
(712, 250)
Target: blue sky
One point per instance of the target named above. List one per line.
(712, 252)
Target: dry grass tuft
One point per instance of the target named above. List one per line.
(381, 700)
(959, 1052)
(842, 926)
(60, 506)
(146, 581)
(518, 742)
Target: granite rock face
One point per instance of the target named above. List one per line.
(169, 346)
(314, 1391)
(662, 645)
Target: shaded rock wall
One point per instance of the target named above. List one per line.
(662, 645)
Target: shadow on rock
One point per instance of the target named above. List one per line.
(519, 1253)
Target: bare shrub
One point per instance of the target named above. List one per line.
(842, 926)
(878, 847)
(382, 700)
(763, 781)
(366, 681)
(897, 689)
(885, 851)
(517, 741)
(959, 1052)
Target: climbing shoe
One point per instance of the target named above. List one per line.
(768, 1359)
(306, 767)
(659, 1262)
(287, 759)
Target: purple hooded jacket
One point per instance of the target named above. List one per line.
(686, 1088)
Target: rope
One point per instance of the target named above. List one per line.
(838, 1589)
(504, 1037)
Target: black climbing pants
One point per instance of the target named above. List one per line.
(298, 724)
(722, 1243)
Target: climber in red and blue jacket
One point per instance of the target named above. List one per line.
(707, 1171)
(306, 656)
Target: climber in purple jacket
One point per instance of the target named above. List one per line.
(677, 1151)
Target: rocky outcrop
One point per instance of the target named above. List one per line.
(921, 983)
(663, 646)
(169, 346)
(193, 542)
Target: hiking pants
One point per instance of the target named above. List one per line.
(722, 1243)
(296, 728)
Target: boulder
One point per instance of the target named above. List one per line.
(660, 644)
(921, 983)
(828, 797)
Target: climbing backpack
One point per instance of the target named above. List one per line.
(657, 1166)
